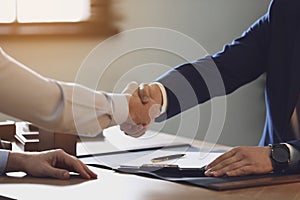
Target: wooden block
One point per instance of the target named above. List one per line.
(66, 142)
(31, 138)
(5, 145)
(26, 139)
(46, 140)
(50, 140)
(7, 130)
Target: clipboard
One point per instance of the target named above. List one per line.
(5, 198)
(171, 171)
(194, 176)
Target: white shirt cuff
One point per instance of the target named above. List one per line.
(120, 110)
(294, 156)
(3, 160)
(164, 97)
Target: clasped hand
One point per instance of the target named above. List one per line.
(144, 106)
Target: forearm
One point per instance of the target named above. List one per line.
(57, 106)
(88, 112)
(26, 94)
(239, 63)
(190, 84)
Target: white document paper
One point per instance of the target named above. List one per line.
(190, 160)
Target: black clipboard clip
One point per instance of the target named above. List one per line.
(163, 170)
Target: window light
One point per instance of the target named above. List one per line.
(40, 11)
(7, 11)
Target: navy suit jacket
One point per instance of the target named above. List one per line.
(270, 46)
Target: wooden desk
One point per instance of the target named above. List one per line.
(116, 186)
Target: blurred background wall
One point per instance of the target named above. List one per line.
(212, 23)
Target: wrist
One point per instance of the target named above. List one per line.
(15, 162)
(156, 89)
(163, 96)
(295, 157)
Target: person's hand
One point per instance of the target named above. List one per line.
(130, 127)
(241, 161)
(142, 113)
(53, 163)
(148, 92)
(144, 109)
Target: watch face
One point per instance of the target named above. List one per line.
(280, 154)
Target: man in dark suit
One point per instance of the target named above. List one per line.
(270, 46)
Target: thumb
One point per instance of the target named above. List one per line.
(144, 93)
(58, 173)
(154, 111)
(131, 88)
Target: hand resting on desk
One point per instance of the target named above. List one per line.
(241, 161)
(236, 162)
(53, 163)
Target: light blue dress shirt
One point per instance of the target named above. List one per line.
(3, 160)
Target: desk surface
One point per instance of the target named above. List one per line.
(112, 185)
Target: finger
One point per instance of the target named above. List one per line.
(136, 132)
(125, 127)
(131, 88)
(53, 172)
(130, 127)
(154, 111)
(221, 158)
(156, 93)
(226, 169)
(245, 170)
(77, 166)
(142, 119)
(139, 133)
(227, 163)
(90, 172)
(67, 161)
(144, 93)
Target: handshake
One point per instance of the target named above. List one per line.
(145, 104)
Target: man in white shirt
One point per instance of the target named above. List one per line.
(63, 107)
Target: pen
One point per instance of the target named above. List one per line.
(165, 158)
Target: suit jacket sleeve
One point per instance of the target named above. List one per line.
(239, 63)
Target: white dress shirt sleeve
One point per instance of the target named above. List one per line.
(3, 160)
(54, 105)
(294, 157)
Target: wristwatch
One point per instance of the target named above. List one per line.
(280, 157)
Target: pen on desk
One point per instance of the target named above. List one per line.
(165, 158)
